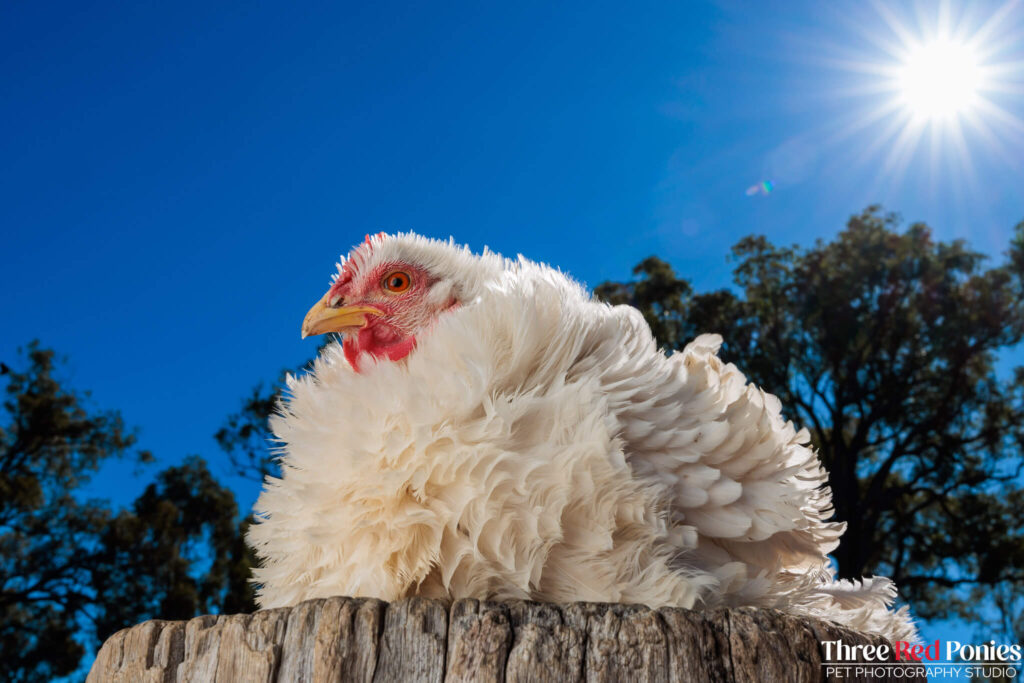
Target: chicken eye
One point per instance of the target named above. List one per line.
(396, 282)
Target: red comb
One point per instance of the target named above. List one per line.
(347, 270)
(379, 235)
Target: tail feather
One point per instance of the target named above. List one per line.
(865, 605)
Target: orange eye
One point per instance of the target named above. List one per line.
(396, 281)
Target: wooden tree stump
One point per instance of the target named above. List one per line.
(355, 639)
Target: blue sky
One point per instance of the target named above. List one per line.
(179, 178)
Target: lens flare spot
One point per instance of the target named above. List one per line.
(764, 187)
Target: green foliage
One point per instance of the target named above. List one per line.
(70, 568)
(659, 295)
(245, 435)
(148, 558)
(49, 448)
(884, 344)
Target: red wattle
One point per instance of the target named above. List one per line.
(355, 346)
(348, 345)
(400, 350)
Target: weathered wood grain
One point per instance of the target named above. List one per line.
(354, 639)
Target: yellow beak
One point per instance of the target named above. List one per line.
(323, 318)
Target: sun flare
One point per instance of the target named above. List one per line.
(939, 79)
(935, 88)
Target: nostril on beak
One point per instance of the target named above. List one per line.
(335, 301)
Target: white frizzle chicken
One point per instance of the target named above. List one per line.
(487, 429)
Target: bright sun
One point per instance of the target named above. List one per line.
(939, 80)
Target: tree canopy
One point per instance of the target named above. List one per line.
(177, 553)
